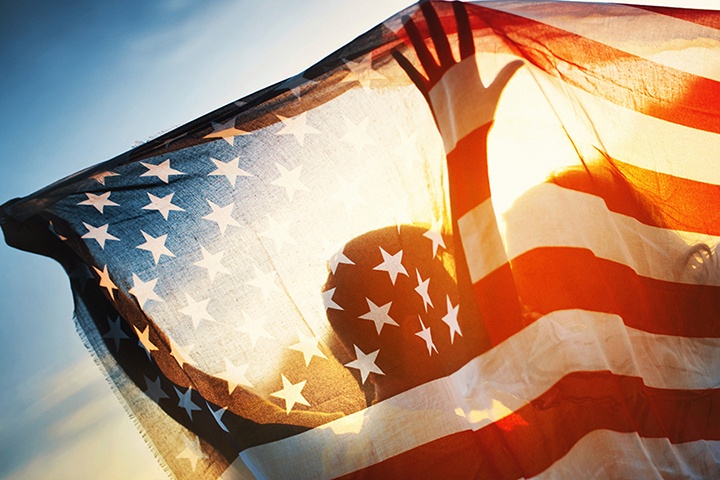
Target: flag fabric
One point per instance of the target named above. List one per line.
(480, 241)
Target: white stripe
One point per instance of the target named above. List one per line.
(630, 136)
(659, 38)
(624, 134)
(593, 122)
(550, 215)
(364, 438)
(606, 454)
(489, 388)
(669, 41)
(530, 362)
(483, 246)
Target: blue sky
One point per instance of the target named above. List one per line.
(80, 82)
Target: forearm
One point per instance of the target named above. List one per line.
(481, 258)
(464, 108)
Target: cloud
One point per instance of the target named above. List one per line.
(76, 378)
(111, 450)
(70, 425)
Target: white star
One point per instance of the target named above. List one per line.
(254, 328)
(100, 177)
(99, 234)
(426, 335)
(99, 201)
(289, 180)
(217, 415)
(229, 169)
(196, 310)
(144, 339)
(392, 264)
(451, 319)
(144, 291)
(328, 300)
(105, 281)
(296, 126)
(154, 390)
(379, 315)
(235, 375)
(435, 236)
(295, 84)
(422, 290)
(338, 258)
(309, 348)
(156, 246)
(222, 216)
(265, 282)
(115, 332)
(362, 72)
(357, 134)
(192, 451)
(163, 205)
(163, 171)
(278, 232)
(180, 354)
(226, 130)
(365, 363)
(291, 394)
(186, 401)
(348, 193)
(211, 262)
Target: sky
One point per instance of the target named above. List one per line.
(80, 82)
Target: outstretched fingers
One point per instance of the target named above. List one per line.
(438, 35)
(435, 69)
(465, 35)
(432, 69)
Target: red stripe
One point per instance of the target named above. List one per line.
(496, 294)
(559, 278)
(653, 198)
(627, 80)
(468, 172)
(706, 18)
(530, 440)
(497, 297)
(624, 79)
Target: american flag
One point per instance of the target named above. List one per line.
(316, 282)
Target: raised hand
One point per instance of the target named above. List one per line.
(464, 110)
(453, 89)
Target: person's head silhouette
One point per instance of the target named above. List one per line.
(393, 301)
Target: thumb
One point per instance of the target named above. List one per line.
(504, 76)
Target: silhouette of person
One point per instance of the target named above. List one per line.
(397, 309)
(507, 300)
(386, 348)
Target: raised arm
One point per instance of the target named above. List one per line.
(464, 109)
